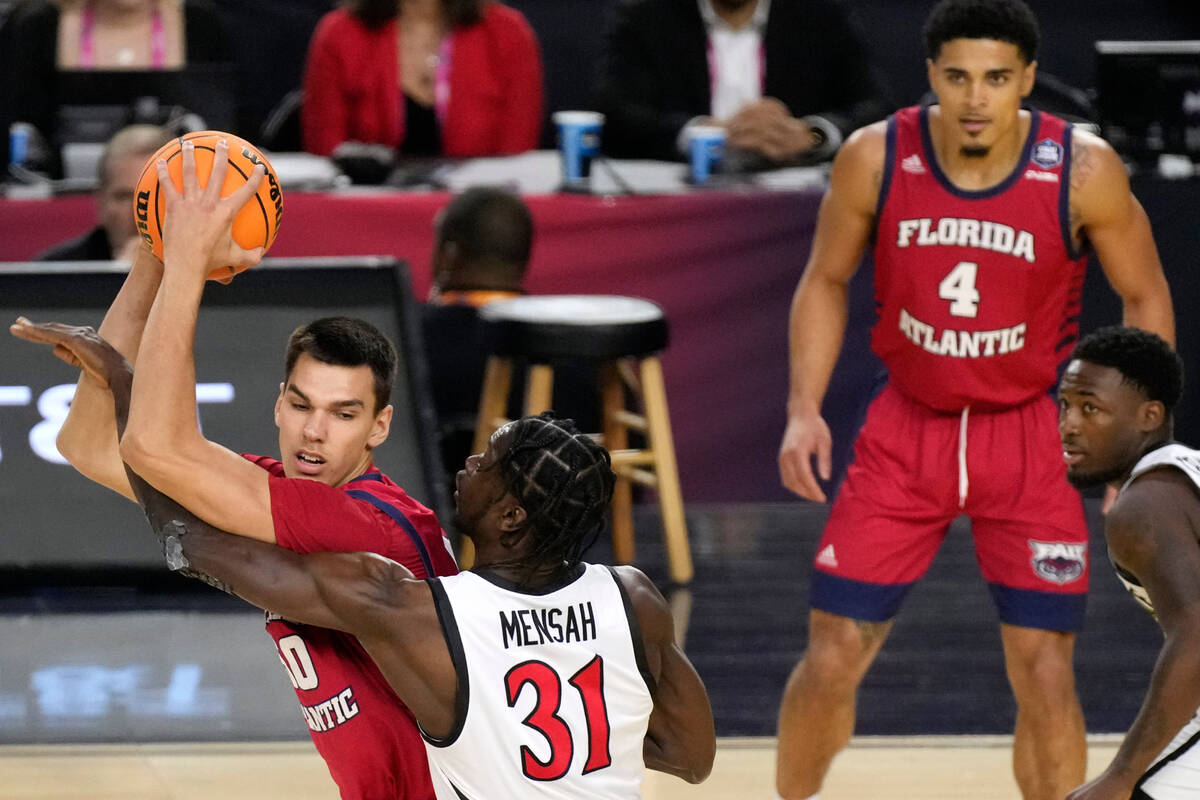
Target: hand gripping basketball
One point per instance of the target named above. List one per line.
(255, 224)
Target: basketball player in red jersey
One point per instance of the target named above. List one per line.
(981, 215)
(534, 675)
(324, 494)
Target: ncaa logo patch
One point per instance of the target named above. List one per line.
(1047, 154)
(1058, 562)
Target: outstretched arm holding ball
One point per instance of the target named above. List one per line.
(88, 439)
(163, 442)
(209, 221)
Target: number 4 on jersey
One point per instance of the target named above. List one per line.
(959, 288)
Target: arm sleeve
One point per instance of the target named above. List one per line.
(630, 92)
(853, 91)
(324, 113)
(524, 88)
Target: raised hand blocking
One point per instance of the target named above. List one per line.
(78, 345)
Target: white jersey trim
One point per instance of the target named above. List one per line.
(1182, 457)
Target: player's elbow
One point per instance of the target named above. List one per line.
(688, 755)
(702, 766)
(72, 449)
(142, 451)
(87, 461)
(698, 762)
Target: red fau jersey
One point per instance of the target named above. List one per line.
(977, 292)
(366, 735)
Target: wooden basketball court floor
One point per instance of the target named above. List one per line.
(899, 768)
(932, 714)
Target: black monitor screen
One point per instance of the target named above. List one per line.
(1149, 97)
(55, 518)
(94, 104)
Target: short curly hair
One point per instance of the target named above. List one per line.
(1144, 360)
(1002, 20)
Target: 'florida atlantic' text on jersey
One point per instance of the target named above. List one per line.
(977, 291)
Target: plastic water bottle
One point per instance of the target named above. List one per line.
(18, 143)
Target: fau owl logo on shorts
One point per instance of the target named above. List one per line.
(1047, 154)
(1059, 562)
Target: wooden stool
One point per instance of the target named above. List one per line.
(623, 335)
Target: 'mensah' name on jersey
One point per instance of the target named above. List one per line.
(966, 233)
(527, 626)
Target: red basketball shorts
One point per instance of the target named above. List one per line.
(914, 471)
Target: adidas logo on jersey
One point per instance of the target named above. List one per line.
(913, 164)
(827, 557)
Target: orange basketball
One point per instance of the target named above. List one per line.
(255, 225)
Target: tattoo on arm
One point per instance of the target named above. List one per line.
(1083, 165)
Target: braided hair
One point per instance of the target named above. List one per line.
(564, 481)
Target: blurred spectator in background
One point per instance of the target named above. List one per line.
(115, 236)
(427, 77)
(787, 79)
(482, 242)
(481, 248)
(49, 42)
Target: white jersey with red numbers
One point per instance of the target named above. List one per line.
(553, 690)
(978, 292)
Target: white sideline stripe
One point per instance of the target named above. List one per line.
(931, 742)
(305, 746)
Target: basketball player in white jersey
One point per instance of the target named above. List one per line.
(1116, 404)
(535, 675)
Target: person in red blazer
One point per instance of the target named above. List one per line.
(456, 78)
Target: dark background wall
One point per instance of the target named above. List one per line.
(270, 38)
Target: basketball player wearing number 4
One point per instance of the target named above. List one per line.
(323, 494)
(981, 214)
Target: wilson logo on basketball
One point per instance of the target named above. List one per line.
(256, 222)
(142, 215)
(276, 193)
